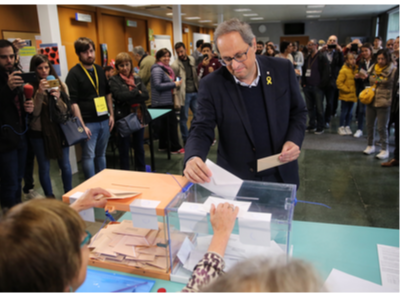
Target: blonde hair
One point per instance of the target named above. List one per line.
(268, 274)
(122, 57)
(40, 247)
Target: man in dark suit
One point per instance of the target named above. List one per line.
(257, 106)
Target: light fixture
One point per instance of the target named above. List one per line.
(205, 21)
(242, 9)
(313, 16)
(192, 18)
(257, 18)
(315, 6)
(170, 14)
(250, 15)
(314, 11)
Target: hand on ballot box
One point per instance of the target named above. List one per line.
(95, 197)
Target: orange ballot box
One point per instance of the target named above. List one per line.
(137, 245)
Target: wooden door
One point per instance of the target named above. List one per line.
(138, 34)
(114, 35)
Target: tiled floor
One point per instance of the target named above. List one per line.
(333, 171)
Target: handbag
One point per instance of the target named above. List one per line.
(367, 95)
(128, 125)
(73, 131)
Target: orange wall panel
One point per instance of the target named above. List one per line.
(19, 18)
(114, 35)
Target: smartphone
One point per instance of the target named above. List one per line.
(354, 47)
(205, 56)
(332, 46)
(28, 77)
(178, 79)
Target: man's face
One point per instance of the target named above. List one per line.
(312, 47)
(136, 56)
(207, 51)
(7, 58)
(260, 48)
(396, 45)
(232, 44)
(332, 40)
(389, 45)
(377, 43)
(109, 73)
(87, 57)
(181, 52)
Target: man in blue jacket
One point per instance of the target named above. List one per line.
(256, 104)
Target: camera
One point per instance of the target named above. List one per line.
(205, 56)
(354, 47)
(332, 46)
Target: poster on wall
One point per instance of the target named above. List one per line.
(25, 56)
(51, 51)
(164, 41)
(152, 43)
(104, 54)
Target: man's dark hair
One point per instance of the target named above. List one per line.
(107, 68)
(6, 43)
(378, 37)
(179, 44)
(206, 45)
(260, 43)
(83, 44)
(283, 46)
(199, 43)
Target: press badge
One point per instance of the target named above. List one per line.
(101, 106)
(308, 73)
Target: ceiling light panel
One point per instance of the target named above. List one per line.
(192, 18)
(315, 6)
(314, 11)
(257, 18)
(242, 9)
(250, 15)
(313, 16)
(205, 21)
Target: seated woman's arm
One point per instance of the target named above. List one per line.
(211, 266)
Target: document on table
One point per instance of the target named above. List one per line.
(222, 182)
(340, 282)
(389, 266)
(268, 162)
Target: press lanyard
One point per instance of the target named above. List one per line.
(96, 87)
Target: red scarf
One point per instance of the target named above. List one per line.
(169, 69)
(129, 81)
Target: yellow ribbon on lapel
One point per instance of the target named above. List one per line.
(269, 80)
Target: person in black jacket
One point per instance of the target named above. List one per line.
(334, 54)
(395, 111)
(13, 123)
(129, 95)
(315, 78)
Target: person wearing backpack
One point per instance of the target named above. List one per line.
(45, 133)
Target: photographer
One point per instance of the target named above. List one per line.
(13, 109)
(209, 63)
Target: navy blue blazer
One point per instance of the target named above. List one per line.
(220, 103)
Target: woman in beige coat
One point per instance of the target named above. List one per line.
(378, 111)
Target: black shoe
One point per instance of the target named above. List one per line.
(310, 129)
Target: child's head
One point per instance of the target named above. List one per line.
(350, 59)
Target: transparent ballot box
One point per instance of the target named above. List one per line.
(261, 228)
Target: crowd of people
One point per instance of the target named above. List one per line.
(340, 73)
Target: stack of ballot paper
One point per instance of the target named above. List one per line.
(124, 244)
(235, 251)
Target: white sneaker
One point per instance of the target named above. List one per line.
(341, 131)
(358, 133)
(383, 154)
(369, 150)
(348, 130)
(32, 195)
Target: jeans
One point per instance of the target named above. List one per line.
(314, 100)
(124, 146)
(190, 101)
(361, 114)
(28, 176)
(94, 149)
(378, 115)
(330, 94)
(346, 112)
(12, 169)
(44, 168)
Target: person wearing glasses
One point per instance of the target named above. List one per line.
(256, 104)
(13, 126)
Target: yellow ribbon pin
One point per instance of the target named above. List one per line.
(269, 80)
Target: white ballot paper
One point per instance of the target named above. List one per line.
(222, 182)
(243, 206)
(389, 266)
(144, 213)
(192, 218)
(255, 228)
(185, 250)
(268, 162)
(340, 282)
(87, 214)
